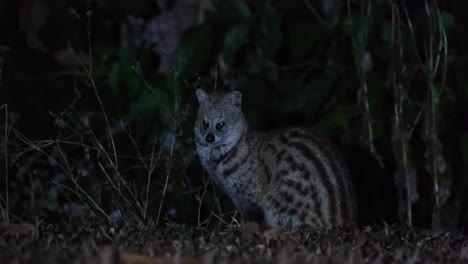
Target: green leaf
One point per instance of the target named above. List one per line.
(303, 35)
(114, 78)
(143, 106)
(50, 202)
(194, 51)
(289, 225)
(233, 40)
(447, 19)
(331, 8)
(386, 33)
(241, 8)
(268, 32)
(309, 97)
(340, 117)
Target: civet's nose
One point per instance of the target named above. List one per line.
(210, 138)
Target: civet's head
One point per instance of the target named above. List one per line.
(220, 122)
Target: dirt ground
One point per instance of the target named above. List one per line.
(67, 243)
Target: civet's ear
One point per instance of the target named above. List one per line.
(234, 98)
(202, 96)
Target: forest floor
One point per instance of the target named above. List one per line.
(67, 243)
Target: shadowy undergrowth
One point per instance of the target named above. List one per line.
(99, 128)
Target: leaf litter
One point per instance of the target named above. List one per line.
(247, 243)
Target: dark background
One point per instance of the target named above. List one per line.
(97, 102)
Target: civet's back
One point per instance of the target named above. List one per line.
(278, 178)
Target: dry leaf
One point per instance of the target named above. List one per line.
(249, 229)
(68, 56)
(109, 255)
(130, 258)
(277, 233)
(17, 229)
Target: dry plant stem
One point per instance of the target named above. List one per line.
(207, 183)
(89, 74)
(216, 201)
(315, 13)
(434, 62)
(90, 50)
(150, 174)
(109, 132)
(435, 170)
(220, 219)
(5, 213)
(167, 176)
(443, 47)
(404, 145)
(364, 86)
(65, 170)
(176, 102)
(423, 107)
(433, 105)
(175, 125)
(162, 197)
(45, 143)
(149, 168)
(403, 137)
(113, 185)
(200, 200)
(138, 72)
(370, 131)
(83, 196)
(114, 167)
(359, 51)
(37, 146)
(234, 220)
(70, 175)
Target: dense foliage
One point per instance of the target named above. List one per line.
(97, 109)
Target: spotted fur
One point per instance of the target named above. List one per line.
(280, 177)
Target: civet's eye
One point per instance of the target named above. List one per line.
(220, 125)
(205, 125)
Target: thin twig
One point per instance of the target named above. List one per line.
(149, 168)
(7, 195)
(117, 172)
(315, 13)
(162, 197)
(5, 106)
(70, 175)
(65, 170)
